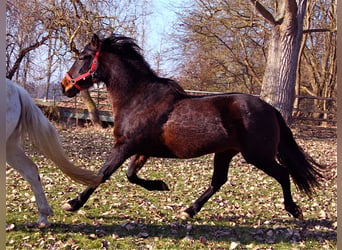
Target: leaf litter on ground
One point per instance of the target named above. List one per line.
(246, 213)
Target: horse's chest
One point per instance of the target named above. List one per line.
(137, 128)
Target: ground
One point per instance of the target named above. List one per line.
(247, 213)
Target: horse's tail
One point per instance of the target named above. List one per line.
(304, 171)
(45, 137)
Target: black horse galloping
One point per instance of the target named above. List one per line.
(154, 117)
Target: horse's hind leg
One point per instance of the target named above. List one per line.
(281, 174)
(136, 164)
(16, 158)
(220, 176)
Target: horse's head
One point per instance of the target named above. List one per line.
(82, 74)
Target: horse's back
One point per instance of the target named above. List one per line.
(244, 110)
(232, 109)
(201, 125)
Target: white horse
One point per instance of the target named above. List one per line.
(23, 116)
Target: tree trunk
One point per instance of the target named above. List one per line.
(49, 71)
(85, 94)
(92, 109)
(279, 80)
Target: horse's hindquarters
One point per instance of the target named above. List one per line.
(13, 108)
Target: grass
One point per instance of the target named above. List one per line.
(247, 213)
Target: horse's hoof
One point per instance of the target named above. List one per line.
(67, 207)
(164, 187)
(156, 185)
(9, 227)
(72, 205)
(42, 225)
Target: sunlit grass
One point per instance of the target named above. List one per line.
(246, 213)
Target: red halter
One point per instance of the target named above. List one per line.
(89, 73)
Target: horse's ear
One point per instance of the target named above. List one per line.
(95, 41)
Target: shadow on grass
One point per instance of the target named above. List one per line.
(277, 231)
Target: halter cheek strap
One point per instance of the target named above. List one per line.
(89, 73)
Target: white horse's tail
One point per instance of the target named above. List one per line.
(44, 136)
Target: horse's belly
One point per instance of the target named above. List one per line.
(193, 139)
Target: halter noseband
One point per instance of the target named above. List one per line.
(89, 73)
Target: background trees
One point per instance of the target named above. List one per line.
(216, 45)
(54, 31)
(278, 87)
(254, 47)
(317, 68)
(223, 45)
(60, 29)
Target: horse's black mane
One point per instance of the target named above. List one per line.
(128, 50)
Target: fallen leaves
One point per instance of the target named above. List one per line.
(247, 212)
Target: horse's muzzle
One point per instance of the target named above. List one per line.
(68, 89)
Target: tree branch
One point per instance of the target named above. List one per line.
(22, 54)
(320, 30)
(291, 6)
(264, 12)
(72, 45)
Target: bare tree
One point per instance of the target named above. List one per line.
(25, 32)
(283, 52)
(318, 67)
(286, 48)
(254, 48)
(223, 46)
(64, 26)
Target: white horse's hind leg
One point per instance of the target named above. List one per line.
(17, 159)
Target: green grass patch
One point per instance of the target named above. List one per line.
(247, 213)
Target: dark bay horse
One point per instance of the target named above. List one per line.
(154, 117)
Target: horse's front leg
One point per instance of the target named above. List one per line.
(114, 161)
(136, 164)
